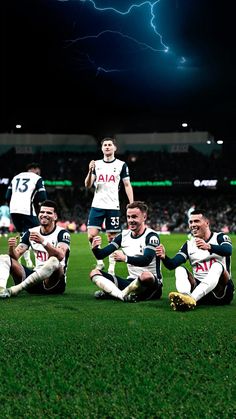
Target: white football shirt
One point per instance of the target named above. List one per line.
(108, 176)
(23, 189)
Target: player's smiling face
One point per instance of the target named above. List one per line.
(136, 220)
(198, 225)
(47, 216)
(108, 148)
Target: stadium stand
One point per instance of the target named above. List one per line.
(168, 205)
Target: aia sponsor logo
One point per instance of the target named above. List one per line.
(106, 178)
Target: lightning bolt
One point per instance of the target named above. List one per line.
(151, 5)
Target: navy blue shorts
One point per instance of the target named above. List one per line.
(226, 297)
(111, 218)
(150, 292)
(23, 222)
(41, 288)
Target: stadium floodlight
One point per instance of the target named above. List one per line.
(184, 124)
(18, 126)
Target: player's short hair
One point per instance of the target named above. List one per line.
(138, 204)
(199, 211)
(33, 165)
(49, 203)
(109, 139)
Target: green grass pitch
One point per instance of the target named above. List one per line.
(71, 356)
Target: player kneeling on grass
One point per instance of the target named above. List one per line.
(209, 254)
(144, 281)
(51, 246)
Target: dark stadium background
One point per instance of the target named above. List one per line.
(52, 78)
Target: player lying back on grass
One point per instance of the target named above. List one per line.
(209, 254)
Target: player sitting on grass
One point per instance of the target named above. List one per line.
(138, 243)
(51, 246)
(209, 255)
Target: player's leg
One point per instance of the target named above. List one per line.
(186, 299)
(5, 266)
(9, 266)
(220, 294)
(185, 283)
(38, 275)
(146, 287)
(22, 223)
(112, 262)
(106, 282)
(30, 221)
(94, 225)
(55, 284)
(112, 229)
(209, 282)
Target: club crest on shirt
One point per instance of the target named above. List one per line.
(154, 241)
(226, 238)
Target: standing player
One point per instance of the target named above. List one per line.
(25, 193)
(5, 219)
(138, 245)
(210, 257)
(105, 175)
(51, 246)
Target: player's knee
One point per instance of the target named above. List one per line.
(110, 237)
(94, 272)
(146, 277)
(180, 270)
(90, 237)
(53, 262)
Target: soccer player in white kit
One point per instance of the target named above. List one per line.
(105, 175)
(25, 192)
(51, 246)
(209, 254)
(138, 244)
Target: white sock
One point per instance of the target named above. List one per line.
(181, 280)
(5, 265)
(100, 264)
(108, 286)
(132, 287)
(112, 263)
(38, 275)
(212, 279)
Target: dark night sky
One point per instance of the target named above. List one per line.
(105, 66)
